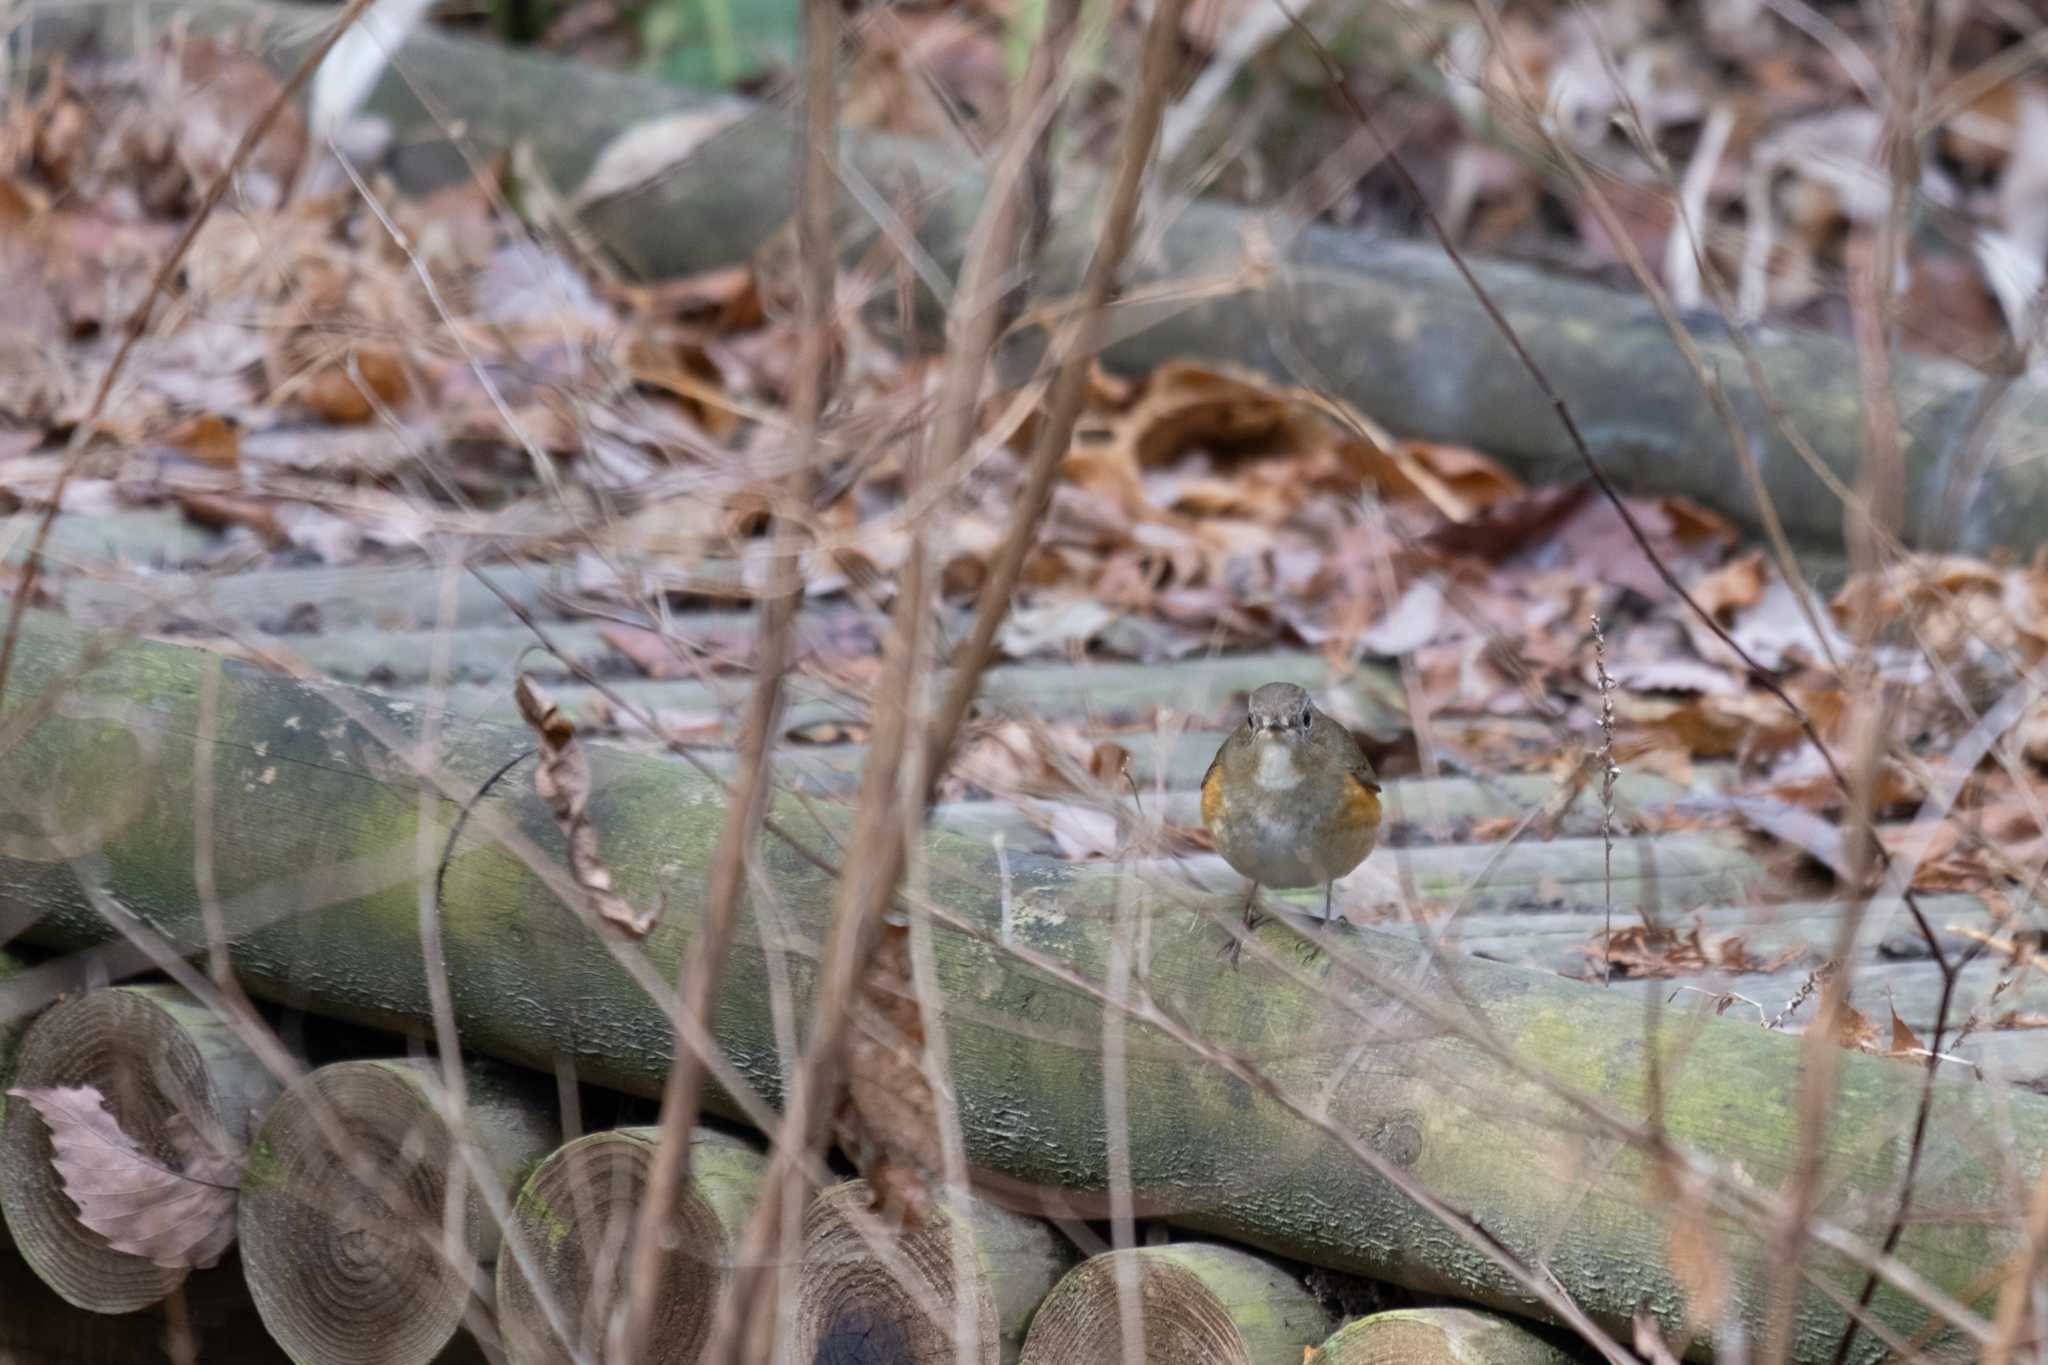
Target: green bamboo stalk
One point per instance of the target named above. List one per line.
(316, 826)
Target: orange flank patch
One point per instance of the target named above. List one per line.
(1212, 797)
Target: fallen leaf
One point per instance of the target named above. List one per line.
(1183, 405)
(648, 650)
(1110, 764)
(1853, 1030)
(563, 782)
(724, 300)
(1414, 621)
(1905, 1042)
(1061, 626)
(1641, 951)
(1081, 833)
(887, 1120)
(1737, 584)
(220, 510)
(182, 1217)
(828, 732)
(1457, 482)
(208, 438)
(649, 150)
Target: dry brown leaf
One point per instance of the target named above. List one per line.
(675, 362)
(648, 650)
(720, 301)
(828, 732)
(1458, 482)
(887, 1121)
(1737, 584)
(1183, 405)
(182, 1217)
(1699, 1261)
(1854, 1031)
(1109, 763)
(563, 782)
(1641, 951)
(649, 150)
(219, 510)
(208, 438)
(1905, 1043)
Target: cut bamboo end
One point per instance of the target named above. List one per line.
(864, 1292)
(575, 1223)
(1194, 1301)
(1440, 1336)
(345, 1207)
(153, 1052)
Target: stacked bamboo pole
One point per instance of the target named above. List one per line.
(1189, 1301)
(368, 1221)
(1441, 1336)
(971, 1272)
(575, 1220)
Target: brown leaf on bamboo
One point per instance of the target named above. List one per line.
(175, 1216)
(887, 1120)
(1641, 951)
(563, 782)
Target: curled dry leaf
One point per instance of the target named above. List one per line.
(175, 1217)
(1645, 952)
(563, 782)
(887, 1121)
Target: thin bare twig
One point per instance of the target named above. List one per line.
(868, 884)
(683, 1090)
(1608, 773)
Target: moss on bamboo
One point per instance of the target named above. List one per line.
(859, 1281)
(532, 983)
(576, 1214)
(1193, 1301)
(345, 1204)
(1441, 1336)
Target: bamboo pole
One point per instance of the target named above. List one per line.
(576, 1216)
(1440, 1336)
(847, 1291)
(345, 1202)
(317, 827)
(1196, 1301)
(153, 1052)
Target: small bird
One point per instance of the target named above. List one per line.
(1290, 798)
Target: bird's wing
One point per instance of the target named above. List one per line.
(1344, 746)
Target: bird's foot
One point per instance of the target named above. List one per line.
(1233, 951)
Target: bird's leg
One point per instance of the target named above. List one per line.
(1329, 901)
(1252, 919)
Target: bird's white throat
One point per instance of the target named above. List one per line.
(1276, 765)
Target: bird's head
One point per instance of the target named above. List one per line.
(1279, 711)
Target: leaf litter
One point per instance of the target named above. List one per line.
(333, 391)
